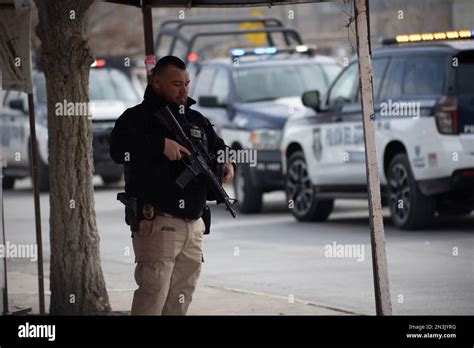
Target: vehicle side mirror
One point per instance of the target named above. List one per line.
(209, 101)
(312, 100)
(17, 104)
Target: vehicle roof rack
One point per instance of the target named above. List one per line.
(173, 27)
(291, 32)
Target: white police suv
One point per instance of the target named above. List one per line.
(424, 117)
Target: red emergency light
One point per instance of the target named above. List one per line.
(98, 63)
(193, 57)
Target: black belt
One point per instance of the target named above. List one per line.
(158, 212)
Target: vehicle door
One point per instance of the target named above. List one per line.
(329, 132)
(353, 146)
(204, 87)
(408, 104)
(221, 90)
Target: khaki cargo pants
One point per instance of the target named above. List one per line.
(168, 254)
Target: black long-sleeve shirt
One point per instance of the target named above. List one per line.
(137, 141)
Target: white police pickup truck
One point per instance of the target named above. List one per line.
(424, 118)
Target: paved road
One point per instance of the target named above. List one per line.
(274, 254)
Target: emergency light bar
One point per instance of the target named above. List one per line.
(424, 37)
(270, 50)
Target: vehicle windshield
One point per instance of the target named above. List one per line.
(104, 84)
(268, 83)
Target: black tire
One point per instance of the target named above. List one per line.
(409, 208)
(250, 197)
(8, 182)
(111, 179)
(300, 190)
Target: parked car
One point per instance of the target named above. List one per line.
(424, 117)
(110, 92)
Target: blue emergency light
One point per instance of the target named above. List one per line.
(265, 50)
(237, 52)
(269, 50)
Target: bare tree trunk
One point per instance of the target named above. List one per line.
(76, 281)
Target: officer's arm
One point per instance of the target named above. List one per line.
(131, 143)
(216, 142)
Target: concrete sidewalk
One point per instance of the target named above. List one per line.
(207, 300)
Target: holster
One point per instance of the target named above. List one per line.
(132, 211)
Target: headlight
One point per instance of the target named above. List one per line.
(266, 139)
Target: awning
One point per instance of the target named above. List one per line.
(209, 3)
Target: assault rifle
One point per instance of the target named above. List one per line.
(200, 162)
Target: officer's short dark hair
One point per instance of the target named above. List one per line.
(163, 63)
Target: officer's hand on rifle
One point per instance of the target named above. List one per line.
(173, 150)
(228, 173)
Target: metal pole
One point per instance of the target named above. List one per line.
(34, 172)
(377, 236)
(5, 278)
(148, 36)
(3, 272)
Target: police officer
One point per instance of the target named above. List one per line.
(168, 244)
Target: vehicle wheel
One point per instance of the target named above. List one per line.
(249, 197)
(111, 179)
(300, 190)
(43, 176)
(8, 182)
(409, 208)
